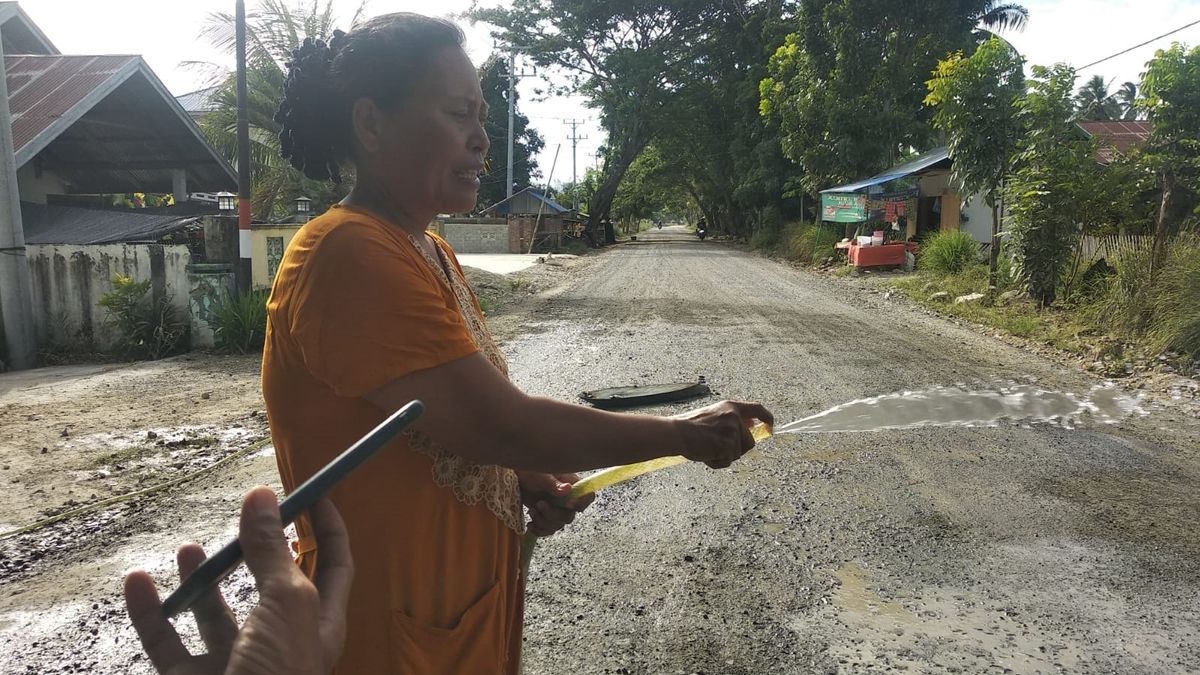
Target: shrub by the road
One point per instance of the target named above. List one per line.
(145, 328)
(949, 252)
(1175, 300)
(240, 322)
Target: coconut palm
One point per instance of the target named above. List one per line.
(273, 29)
(1127, 98)
(1001, 16)
(1095, 103)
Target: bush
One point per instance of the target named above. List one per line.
(810, 243)
(949, 252)
(240, 322)
(1117, 303)
(765, 239)
(146, 329)
(1175, 300)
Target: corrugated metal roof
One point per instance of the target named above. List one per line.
(43, 90)
(200, 101)
(72, 225)
(1116, 138)
(107, 124)
(501, 206)
(920, 163)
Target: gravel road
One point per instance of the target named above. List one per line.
(1035, 550)
(1026, 550)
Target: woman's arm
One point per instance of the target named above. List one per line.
(475, 412)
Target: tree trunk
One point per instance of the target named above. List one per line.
(1162, 229)
(600, 203)
(994, 258)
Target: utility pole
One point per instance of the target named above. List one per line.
(574, 138)
(512, 111)
(16, 289)
(242, 273)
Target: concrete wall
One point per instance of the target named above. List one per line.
(267, 244)
(476, 235)
(69, 280)
(34, 189)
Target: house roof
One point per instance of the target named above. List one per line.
(107, 124)
(73, 225)
(1116, 138)
(199, 101)
(916, 165)
(20, 35)
(502, 205)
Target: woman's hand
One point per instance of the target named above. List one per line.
(297, 628)
(720, 434)
(545, 496)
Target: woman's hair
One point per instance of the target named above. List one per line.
(383, 59)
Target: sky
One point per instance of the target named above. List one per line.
(167, 34)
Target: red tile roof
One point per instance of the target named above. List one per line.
(1116, 138)
(44, 89)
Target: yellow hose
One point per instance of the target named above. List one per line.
(619, 474)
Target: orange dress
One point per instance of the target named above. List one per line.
(356, 304)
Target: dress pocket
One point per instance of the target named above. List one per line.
(475, 644)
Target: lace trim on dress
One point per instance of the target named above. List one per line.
(495, 486)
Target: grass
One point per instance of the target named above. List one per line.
(519, 284)
(1059, 328)
(949, 252)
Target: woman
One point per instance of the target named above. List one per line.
(368, 312)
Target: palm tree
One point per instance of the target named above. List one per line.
(1094, 102)
(273, 30)
(1001, 16)
(1127, 98)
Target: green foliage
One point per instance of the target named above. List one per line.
(1175, 300)
(273, 29)
(975, 100)
(1171, 97)
(240, 322)
(1096, 103)
(145, 328)
(527, 142)
(765, 239)
(847, 89)
(1055, 172)
(622, 56)
(949, 252)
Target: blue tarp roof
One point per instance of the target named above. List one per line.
(907, 169)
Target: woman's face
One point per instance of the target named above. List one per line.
(433, 149)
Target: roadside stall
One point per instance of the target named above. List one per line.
(883, 214)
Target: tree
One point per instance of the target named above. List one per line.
(847, 85)
(1127, 97)
(1055, 172)
(1171, 98)
(619, 55)
(526, 144)
(273, 30)
(1002, 16)
(975, 99)
(1095, 103)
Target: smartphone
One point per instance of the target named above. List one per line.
(225, 561)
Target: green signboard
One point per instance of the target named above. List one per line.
(843, 208)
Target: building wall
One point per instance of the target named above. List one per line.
(267, 244)
(476, 235)
(978, 217)
(34, 189)
(69, 280)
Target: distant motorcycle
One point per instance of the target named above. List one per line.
(701, 231)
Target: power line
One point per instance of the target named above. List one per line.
(1120, 53)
